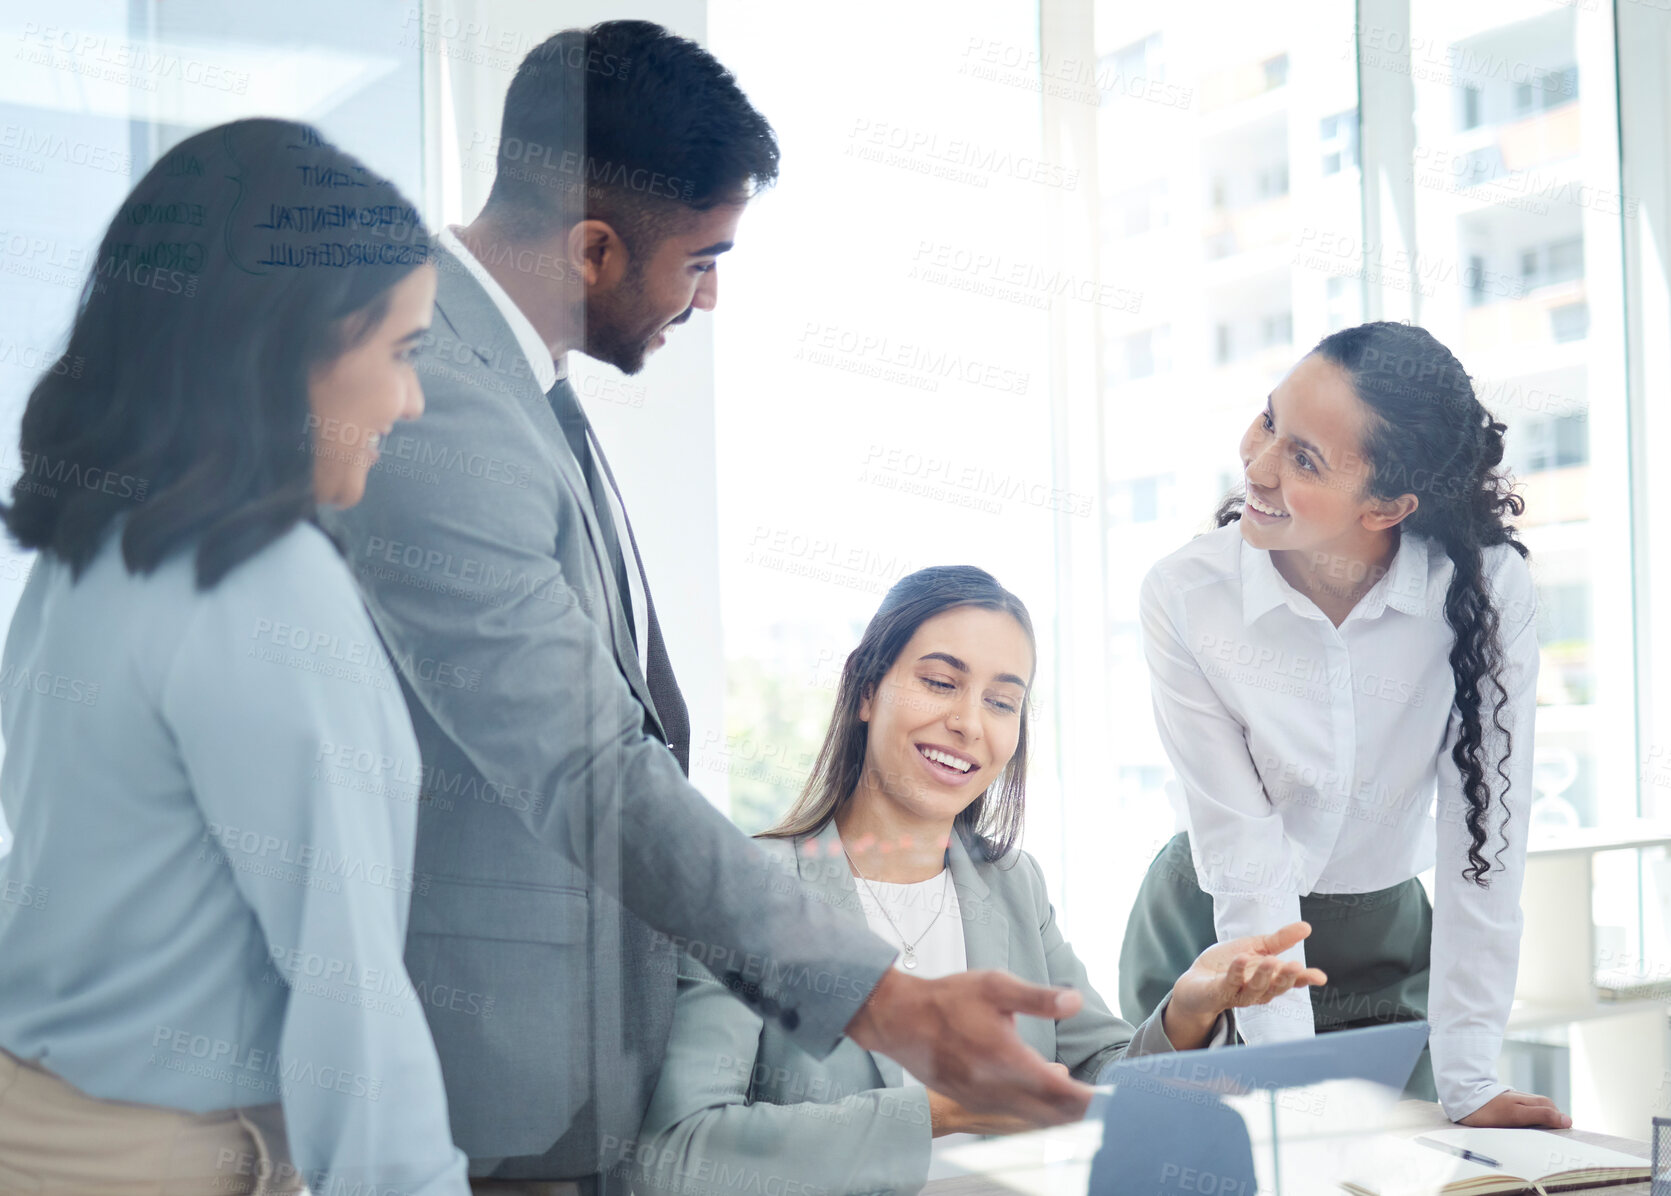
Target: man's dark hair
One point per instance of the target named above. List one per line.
(626, 123)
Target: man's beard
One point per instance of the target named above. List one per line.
(616, 328)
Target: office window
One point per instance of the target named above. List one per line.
(1534, 321)
(1232, 276)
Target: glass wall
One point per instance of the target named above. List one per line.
(93, 93)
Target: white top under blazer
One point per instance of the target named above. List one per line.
(1310, 758)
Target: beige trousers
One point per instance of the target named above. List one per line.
(56, 1139)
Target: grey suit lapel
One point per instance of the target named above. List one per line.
(470, 313)
(986, 931)
(823, 868)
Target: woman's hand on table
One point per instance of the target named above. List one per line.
(1512, 1110)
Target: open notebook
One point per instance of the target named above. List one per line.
(1529, 1161)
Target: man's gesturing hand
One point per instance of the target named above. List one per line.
(957, 1035)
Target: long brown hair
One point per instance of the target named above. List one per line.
(992, 822)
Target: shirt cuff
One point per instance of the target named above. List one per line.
(1285, 1019)
(1222, 1032)
(1459, 1106)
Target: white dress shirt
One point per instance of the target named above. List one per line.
(1310, 757)
(546, 371)
(925, 914)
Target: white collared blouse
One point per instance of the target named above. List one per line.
(1317, 759)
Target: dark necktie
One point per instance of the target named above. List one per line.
(658, 668)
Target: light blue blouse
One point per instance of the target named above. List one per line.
(213, 802)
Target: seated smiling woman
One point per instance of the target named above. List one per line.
(909, 823)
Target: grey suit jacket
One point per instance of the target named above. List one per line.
(549, 800)
(740, 1107)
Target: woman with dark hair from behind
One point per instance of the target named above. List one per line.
(910, 822)
(1356, 640)
(210, 774)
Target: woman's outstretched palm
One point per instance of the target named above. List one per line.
(1242, 972)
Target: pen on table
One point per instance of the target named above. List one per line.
(1461, 1152)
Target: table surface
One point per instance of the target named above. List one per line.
(1424, 1115)
(1432, 1117)
(1058, 1160)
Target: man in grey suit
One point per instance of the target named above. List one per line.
(562, 855)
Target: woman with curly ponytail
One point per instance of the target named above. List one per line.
(1344, 679)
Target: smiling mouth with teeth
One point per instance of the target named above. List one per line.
(947, 759)
(1265, 510)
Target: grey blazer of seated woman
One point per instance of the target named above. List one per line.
(740, 1108)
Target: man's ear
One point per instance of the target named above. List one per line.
(597, 254)
(1390, 512)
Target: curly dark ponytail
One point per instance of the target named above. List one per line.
(1432, 438)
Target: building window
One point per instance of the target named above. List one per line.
(1470, 107)
(1141, 209)
(1272, 181)
(1475, 280)
(1147, 353)
(1537, 443)
(1138, 60)
(1145, 500)
(1560, 86)
(1137, 500)
(1566, 260)
(1339, 137)
(1569, 322)
(1549, 89)
(1276, 71)
(1341, 302)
